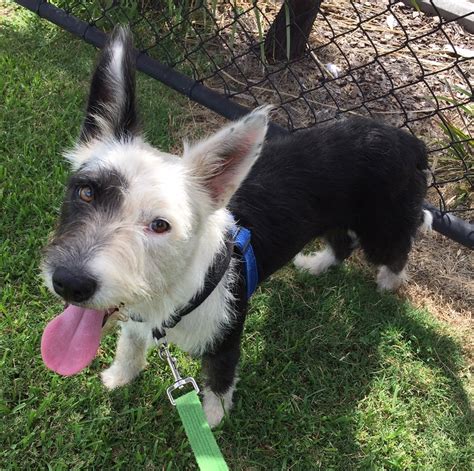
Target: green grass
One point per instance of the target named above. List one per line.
(333, 375)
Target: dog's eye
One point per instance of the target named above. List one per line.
(86, 193)
(159, 226)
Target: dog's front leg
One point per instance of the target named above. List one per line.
(130, 359)
(220, 367)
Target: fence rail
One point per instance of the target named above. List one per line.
(381, 59)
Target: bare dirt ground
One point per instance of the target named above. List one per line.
(441, 280)
(443, 271)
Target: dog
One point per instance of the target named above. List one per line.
(140, 230)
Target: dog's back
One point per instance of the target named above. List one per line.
(355, 178)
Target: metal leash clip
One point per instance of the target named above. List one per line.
(179, 382)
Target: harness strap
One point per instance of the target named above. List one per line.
(213, 278)
(239, 240)
(215, 274)
(242, 237)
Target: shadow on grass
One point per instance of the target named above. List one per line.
(336, 375)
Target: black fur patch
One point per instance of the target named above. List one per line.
(71, 246)
(108, 187)
(353, 174)
(220, 362)
(122, 117)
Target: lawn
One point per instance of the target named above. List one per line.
(333, 374)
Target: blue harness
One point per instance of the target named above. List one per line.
(242, 238)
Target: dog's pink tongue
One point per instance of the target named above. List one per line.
(70, 341)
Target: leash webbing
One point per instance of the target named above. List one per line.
(203, 443)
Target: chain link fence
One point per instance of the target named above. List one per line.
(316, 61)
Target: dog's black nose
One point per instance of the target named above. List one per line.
(73, 287)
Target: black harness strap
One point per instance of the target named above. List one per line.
(213, 277)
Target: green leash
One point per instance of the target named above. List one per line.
(203, 443)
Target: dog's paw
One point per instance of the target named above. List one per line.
(389, 281)
(317, 262)
(117, 376)
(214, 413)
(215, 406)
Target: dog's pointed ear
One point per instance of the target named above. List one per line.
(221, 162)
(111, 108)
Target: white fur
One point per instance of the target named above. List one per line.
(387, 280)
(317, 262)
(116, 83)
(193, 334)
(137, 267)
(429, 176)
(216, 406)
(130, 358)
(427, 224)
(115, 66)
(351, 234)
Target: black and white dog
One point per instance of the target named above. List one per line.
(140, 229)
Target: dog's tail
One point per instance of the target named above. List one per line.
(422, 165)
(426, 222)
(421, 154)
(421, 159)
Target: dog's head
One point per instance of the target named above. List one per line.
(133, 216)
